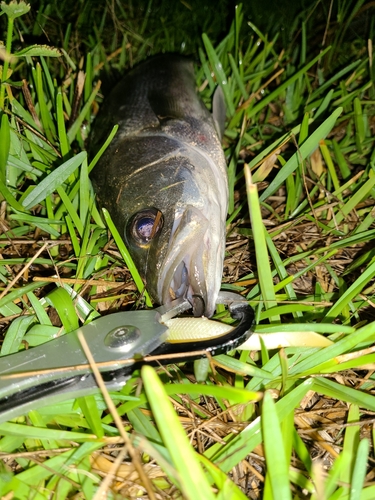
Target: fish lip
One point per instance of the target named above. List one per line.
(193, 264)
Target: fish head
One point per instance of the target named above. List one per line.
(170, 210)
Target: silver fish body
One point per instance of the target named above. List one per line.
(163, 179)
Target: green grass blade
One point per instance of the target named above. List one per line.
(359, 472)
(13, 429)
(217, 67)
(90, 410)
(5, 147)
(81, 117)
(67, 206)
(240, 445)
(39, 334)
(96, 158)
(273, 95)
(194, 483)
(39, 310)
(127, 257)
(62, 302)
(304, 151)
(264, 270)
(15, 334)
(46, 118)
(84, 192)
(48, 185)
(328, 354)
(8, 196)
(19, 292)
(351, 292)
(351, 443)
(276, 460)
(63, 139)
(337, 391)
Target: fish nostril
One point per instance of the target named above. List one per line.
(198, 305)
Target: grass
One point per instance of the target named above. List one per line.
(300, 150)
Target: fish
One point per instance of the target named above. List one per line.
(163, 179)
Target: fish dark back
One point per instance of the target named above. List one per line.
(157, 90)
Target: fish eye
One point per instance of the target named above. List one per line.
(145, 225)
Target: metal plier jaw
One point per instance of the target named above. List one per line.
(58, 370)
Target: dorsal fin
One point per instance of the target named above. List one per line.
(219, 111)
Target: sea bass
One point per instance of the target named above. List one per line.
(163, 179)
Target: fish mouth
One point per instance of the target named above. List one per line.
(193, 265)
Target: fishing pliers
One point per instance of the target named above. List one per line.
(120, 343)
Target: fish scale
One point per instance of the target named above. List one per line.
(165, 159)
